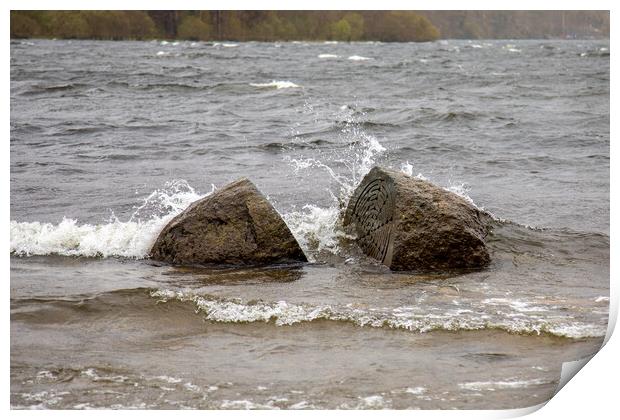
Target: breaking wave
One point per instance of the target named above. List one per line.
(130, 239)
(283, 313)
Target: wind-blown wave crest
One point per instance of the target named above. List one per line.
(404, 318)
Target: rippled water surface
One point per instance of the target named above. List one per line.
(109, 140)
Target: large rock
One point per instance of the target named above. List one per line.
(411, 224)
(235, 225)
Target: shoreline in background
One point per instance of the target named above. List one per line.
(271, 26)
(315, 41)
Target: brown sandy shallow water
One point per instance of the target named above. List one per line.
(76, 355)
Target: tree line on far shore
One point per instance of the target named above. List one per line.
(224, 25)
(257, 25)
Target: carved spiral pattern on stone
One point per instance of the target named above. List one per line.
(373, 214)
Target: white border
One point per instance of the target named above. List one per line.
(593, 393)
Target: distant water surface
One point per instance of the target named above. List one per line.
(109, 140)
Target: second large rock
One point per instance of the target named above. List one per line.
(234, 226)
(411, 224)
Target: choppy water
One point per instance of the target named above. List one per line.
(109, 140)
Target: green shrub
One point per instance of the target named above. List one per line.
(340, 30)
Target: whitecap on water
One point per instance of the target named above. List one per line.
(511, 48)
(327, 56)
(359, 58)
(278, 84)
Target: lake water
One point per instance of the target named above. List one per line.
(109, 140)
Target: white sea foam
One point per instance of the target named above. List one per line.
(278, 84)
(301, 405)
(511, 48)
(416, 391)
(169, 379)
(318, 228)
(516, 304)
(93, 375)
(191, 387)
(359, 58)
(315, 228)
(131, 239)
(283, 313)
(328, 56)
(495, 385)
(407, 168)
(45, 374)
(462, 189)
(372, 401)
(243, 405)
(359, 159)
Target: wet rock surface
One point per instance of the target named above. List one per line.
(411, 224)
(233, 226)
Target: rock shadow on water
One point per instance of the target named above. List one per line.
(233, 275)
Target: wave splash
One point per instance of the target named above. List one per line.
(130, 239)
(317, 229)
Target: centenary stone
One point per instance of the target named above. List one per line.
(235, 225)
(411, 224)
